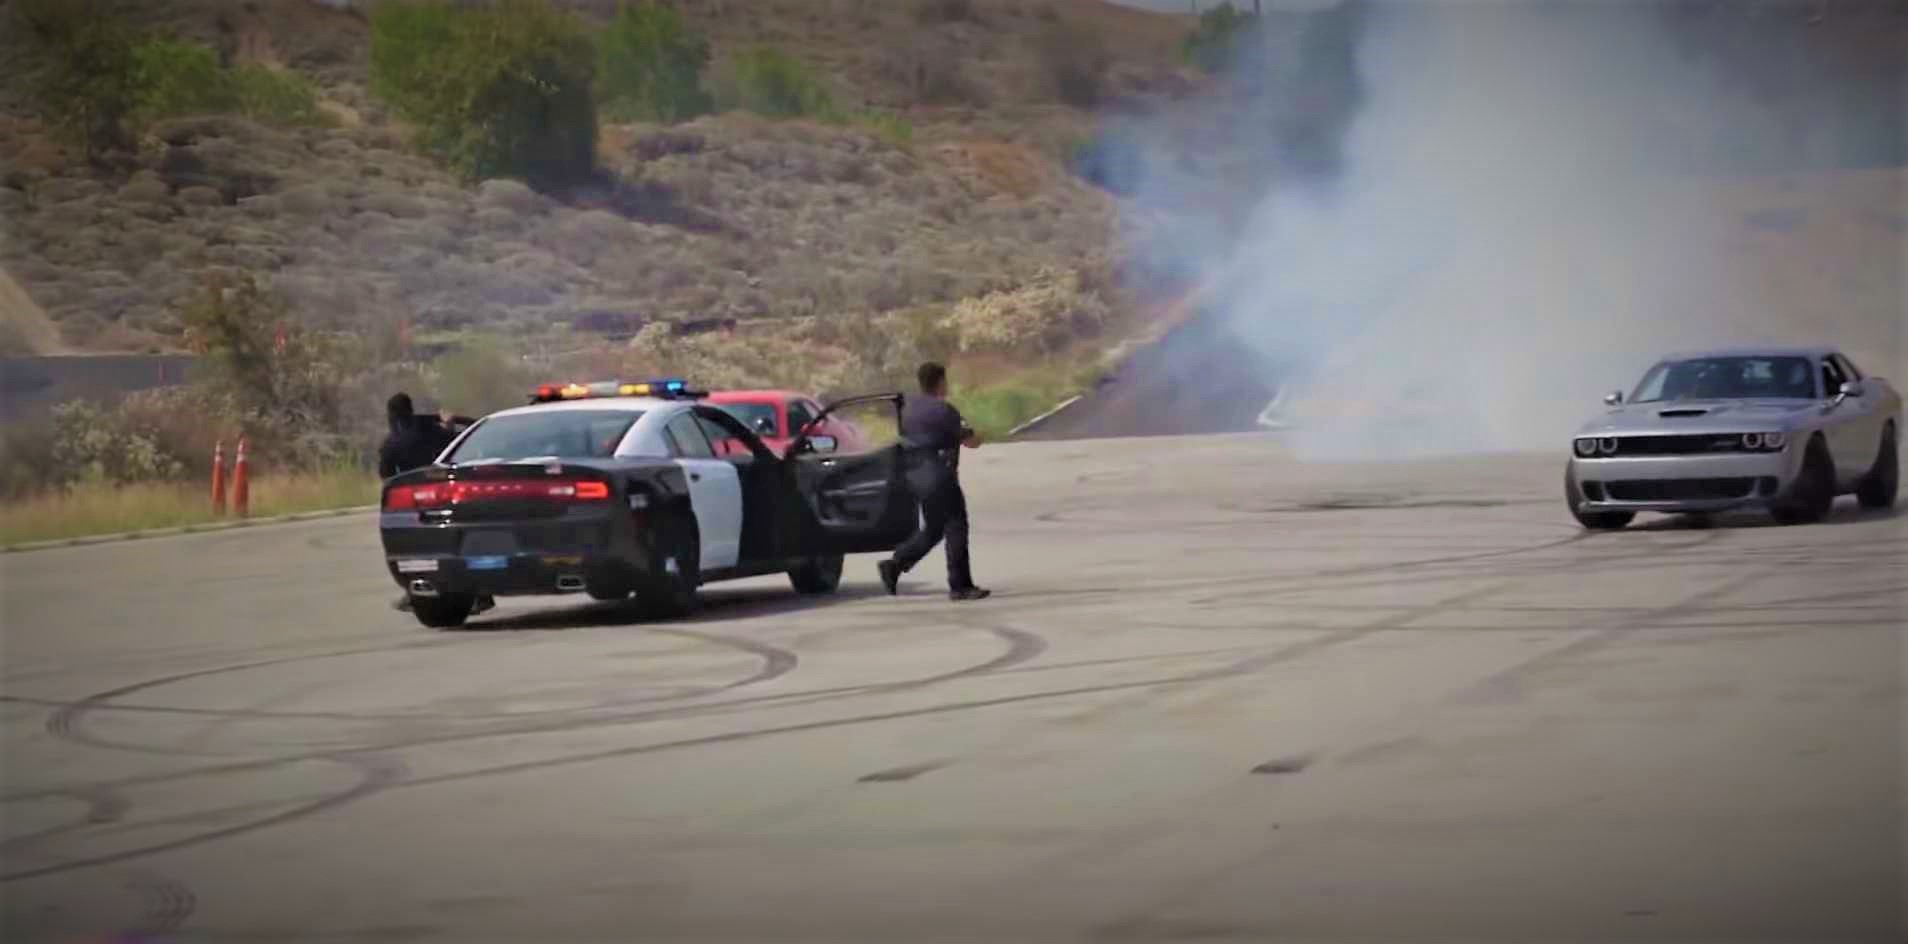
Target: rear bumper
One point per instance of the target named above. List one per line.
(559, 555)
(515, 575)
(1685, 483)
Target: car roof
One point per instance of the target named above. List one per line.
(645, 404)
(1774, 351)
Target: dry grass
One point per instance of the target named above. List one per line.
(111, 509)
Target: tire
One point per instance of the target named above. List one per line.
(445, 612)
(1879, 487)
(817, 575)
(606, 593)
(1593, 520)
(673, 596)
(1813, 493)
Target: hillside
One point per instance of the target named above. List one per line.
(728, 216)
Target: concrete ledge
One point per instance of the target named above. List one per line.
(1042, 418)
(206, 528)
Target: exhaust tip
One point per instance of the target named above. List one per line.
(569, 582)
(423, 588)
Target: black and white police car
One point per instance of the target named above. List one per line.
(617, 489)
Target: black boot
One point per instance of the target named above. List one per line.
(969, 593)
(890, 576)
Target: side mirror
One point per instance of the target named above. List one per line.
(1852, 389)
(822, 444)
(1613, 398)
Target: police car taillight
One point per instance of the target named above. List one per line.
(443, 494)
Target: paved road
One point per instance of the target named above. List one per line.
(1219, 697)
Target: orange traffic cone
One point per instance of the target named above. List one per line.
(241, 487)
(218, 477)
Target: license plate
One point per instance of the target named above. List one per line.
(486, 563)
(417, 566)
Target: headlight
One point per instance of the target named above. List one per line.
(1586, 447)
(1607, 445)
(1774, 441)
(1752, 441)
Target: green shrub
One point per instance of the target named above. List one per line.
(93, 443)
(1076, 61)
(480, 377)
(649, 66)
(1214, 44)
(500, 90)
(893, 129)
(769, 82)
(87, 80)
(180, 78)
(275, 96)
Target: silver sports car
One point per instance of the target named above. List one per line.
(1785, 429)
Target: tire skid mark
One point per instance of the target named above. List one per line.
(1022, 646)
(375, 773)
(66, 720)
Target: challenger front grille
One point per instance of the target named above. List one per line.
(1680, 489)
(1684, 444)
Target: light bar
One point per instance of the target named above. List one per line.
(668, 389)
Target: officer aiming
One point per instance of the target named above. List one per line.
(932, 437)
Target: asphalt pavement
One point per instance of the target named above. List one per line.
(1219, 695)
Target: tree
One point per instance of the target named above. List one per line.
(649, 65)
(502, 90)
(1214, 45)
(88, 83)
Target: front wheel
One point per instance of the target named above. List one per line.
(443, 612)
(1879, 487)
(1813, 494)
(1594, 520)
(817, 575)
(670, 592)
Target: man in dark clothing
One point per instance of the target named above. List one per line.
(414, 442)
(932, 436)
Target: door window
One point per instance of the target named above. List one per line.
(799, 416)
(686, 439)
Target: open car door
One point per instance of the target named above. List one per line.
(859, 501)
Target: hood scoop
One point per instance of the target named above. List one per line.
(1674, 414)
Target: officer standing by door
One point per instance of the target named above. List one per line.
(932, 436)
(414, 442)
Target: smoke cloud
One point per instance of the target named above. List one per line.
(1533, 201)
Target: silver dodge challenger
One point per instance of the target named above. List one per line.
(1783, 429)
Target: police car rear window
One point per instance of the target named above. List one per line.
(565, 434)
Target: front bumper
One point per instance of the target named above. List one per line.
(1684, 483)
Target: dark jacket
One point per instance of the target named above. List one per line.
(414, 442)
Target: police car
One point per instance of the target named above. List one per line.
(617, 489)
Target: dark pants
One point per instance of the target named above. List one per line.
(944, 510)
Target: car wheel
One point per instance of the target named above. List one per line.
(671, 596)
(1594, 520)
(443, 612)
(817, 575)
(1813, 493)
(1879, 487)
(606, 593)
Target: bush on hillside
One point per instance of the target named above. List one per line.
(180, 78)
(275, 96)
(649, 66)
(92, 443)
(499, 90)
(1213, 45)
(480, 377)
(1041, 316)
(286, 383)
(87, 81)
(769, 82)
(1076, 61)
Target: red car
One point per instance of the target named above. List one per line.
(778, 416)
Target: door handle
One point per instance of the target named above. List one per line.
(695, 476)
(828, 463)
